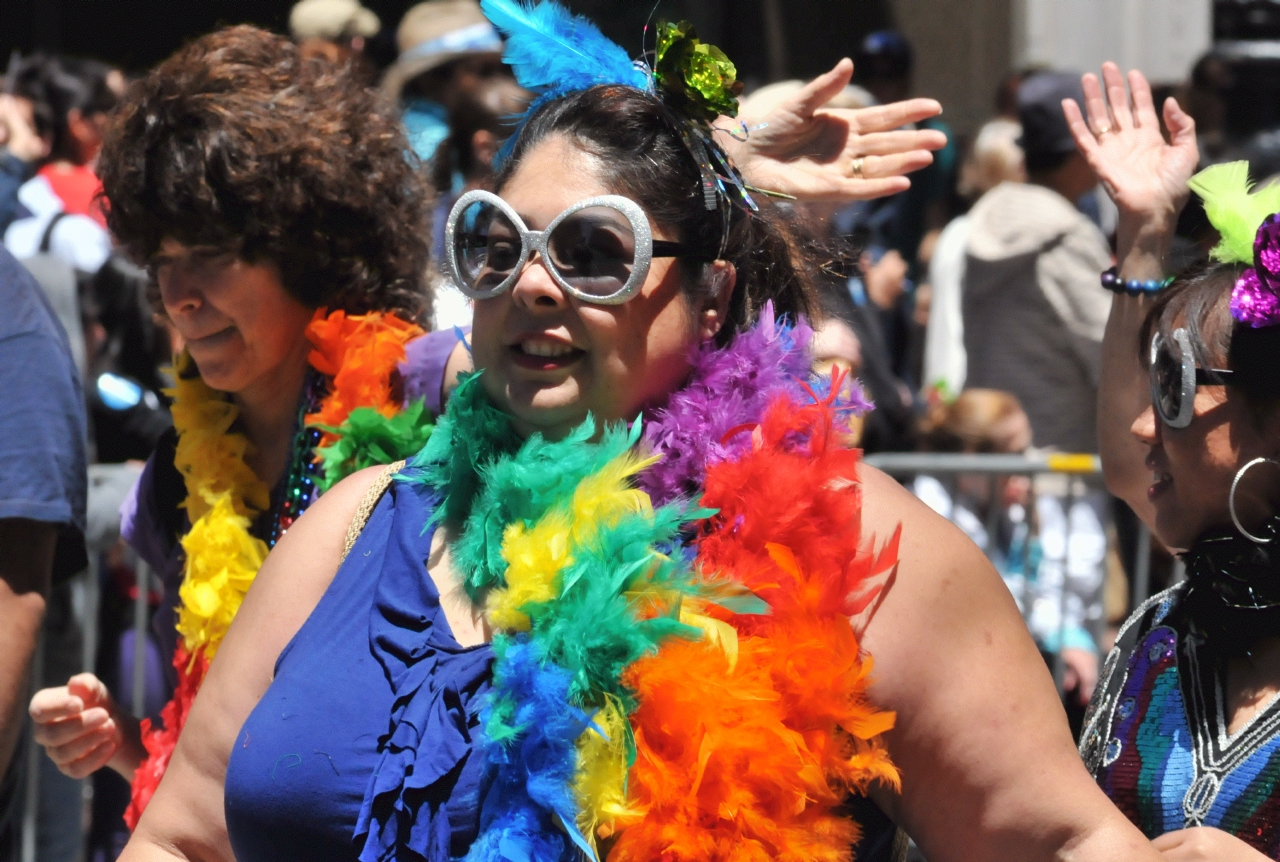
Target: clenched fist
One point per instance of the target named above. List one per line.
(83, 729)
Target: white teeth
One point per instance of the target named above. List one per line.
(545, 348)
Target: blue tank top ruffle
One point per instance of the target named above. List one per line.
(361, 747)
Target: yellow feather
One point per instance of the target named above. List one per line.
(210, 458)
(535, 558)
(537, 555)
(717, 632)
(604, 497)
(222, 560)
(601, 781)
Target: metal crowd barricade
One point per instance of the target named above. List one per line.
(1072, 466)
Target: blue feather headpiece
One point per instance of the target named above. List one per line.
(555, 53)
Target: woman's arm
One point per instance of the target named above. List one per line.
(1147, 179)
(185, 817)
(988, 767)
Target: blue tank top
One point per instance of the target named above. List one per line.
(361, 747)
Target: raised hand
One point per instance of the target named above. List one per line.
(816, 153)
(82, 729)
(1145, 175)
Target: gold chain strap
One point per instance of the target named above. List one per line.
(370, 499)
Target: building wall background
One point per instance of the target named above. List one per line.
(1163, 38)
(964, 47)
(963, 50)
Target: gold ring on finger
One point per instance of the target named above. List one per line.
(855, 166)
(1104, 131)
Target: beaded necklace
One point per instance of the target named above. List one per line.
(305, 470)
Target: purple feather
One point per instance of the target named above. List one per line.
(728, 388)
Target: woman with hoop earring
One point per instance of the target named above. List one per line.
(1183, 733)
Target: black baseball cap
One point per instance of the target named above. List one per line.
(883, 55)
(1046, 138)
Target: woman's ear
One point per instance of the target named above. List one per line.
(719, 279)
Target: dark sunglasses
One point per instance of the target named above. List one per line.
(1175, 378)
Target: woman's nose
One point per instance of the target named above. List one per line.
(178, 294)
(1146, 428)
(536, 289)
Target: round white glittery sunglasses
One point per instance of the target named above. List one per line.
(598, 250)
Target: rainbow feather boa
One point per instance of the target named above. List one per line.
(681, 682)
(358, 353)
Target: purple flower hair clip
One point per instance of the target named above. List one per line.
(1255, 300)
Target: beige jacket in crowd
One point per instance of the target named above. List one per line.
(1034, 310)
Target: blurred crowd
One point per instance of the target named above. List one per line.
(967, 306)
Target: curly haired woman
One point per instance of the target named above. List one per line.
(287, 239)
(286, 232)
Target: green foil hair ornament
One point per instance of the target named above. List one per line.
(698, 80)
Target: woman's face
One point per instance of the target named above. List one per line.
(550, 359)
(237, 320)
(1192, 468)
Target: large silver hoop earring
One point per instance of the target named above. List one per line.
(1231, 500)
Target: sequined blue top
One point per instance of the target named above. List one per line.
(1156, 740)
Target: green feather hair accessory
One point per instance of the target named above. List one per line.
(698, 79)
(1233, 211)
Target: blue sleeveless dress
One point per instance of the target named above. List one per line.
(361, 748)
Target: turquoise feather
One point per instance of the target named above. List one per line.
(554, 52)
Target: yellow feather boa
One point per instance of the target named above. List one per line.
(222, 495)
(358, 353)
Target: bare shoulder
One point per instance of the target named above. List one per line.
(307, 556)
(927, 537)
(300, 568)
(975, 703)
(945, 594)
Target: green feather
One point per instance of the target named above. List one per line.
(368, 439)
(1232, 210)
(472, 435)
(600, 621)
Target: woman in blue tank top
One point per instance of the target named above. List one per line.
(395, 685)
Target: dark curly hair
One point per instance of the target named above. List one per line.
(236, 142)
(644, 158)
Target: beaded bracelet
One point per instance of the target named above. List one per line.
(1112, 281)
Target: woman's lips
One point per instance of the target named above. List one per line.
(213, 341)
(544, 354)
(1161, 482)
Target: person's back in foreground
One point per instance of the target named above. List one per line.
(1033, 314)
